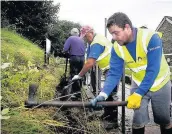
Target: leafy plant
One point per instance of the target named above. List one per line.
(4, 112)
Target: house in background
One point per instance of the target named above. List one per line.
(165, 27)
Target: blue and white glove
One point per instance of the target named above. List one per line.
(76, 77)
(101, 97)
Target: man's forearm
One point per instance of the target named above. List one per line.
(88, 65)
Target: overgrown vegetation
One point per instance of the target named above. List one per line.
(24, 121)
(25, 67)
(22, 64)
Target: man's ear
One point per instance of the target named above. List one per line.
(127, 26)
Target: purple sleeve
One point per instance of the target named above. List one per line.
(67, 45)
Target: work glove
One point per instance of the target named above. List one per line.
(134, 101)
(97, 99)
(76, 77)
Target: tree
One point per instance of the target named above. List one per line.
(58, 34)
(31, 18)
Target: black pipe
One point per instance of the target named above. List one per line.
(30, 104)
(123, 99)
(66, 67)
(32, 92)
(45, 53)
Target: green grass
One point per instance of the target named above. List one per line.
(18, 50)
(26, 66)
(29, 121)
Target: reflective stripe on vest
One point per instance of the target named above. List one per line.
(139, 66)
(156, 83)
(104, 58)
(144, 38)
(138, 69)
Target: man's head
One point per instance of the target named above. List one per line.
(120, 27)
(87, 33)
(74, 32)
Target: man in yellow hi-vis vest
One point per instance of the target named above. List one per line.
(141, 51)
(98, 52)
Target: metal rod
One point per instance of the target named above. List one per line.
(74, 103)
(67, 86)
(123, 99)
(105, 27)
(97, 80)
(45, 54)
(170, 108)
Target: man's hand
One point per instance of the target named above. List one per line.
(97, 99)
(64, 54)
(76, 77)
(134, 101)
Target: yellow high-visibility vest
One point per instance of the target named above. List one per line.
(104, 58)
(138, 68)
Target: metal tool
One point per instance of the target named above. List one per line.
(67, 86)
(74, 103)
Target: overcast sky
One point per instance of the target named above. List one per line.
(93, 12)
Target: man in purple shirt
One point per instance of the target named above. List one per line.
(75, 46)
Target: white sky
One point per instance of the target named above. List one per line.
(93, 12)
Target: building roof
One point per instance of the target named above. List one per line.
(166, 18)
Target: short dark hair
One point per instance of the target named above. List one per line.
(119, 19)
